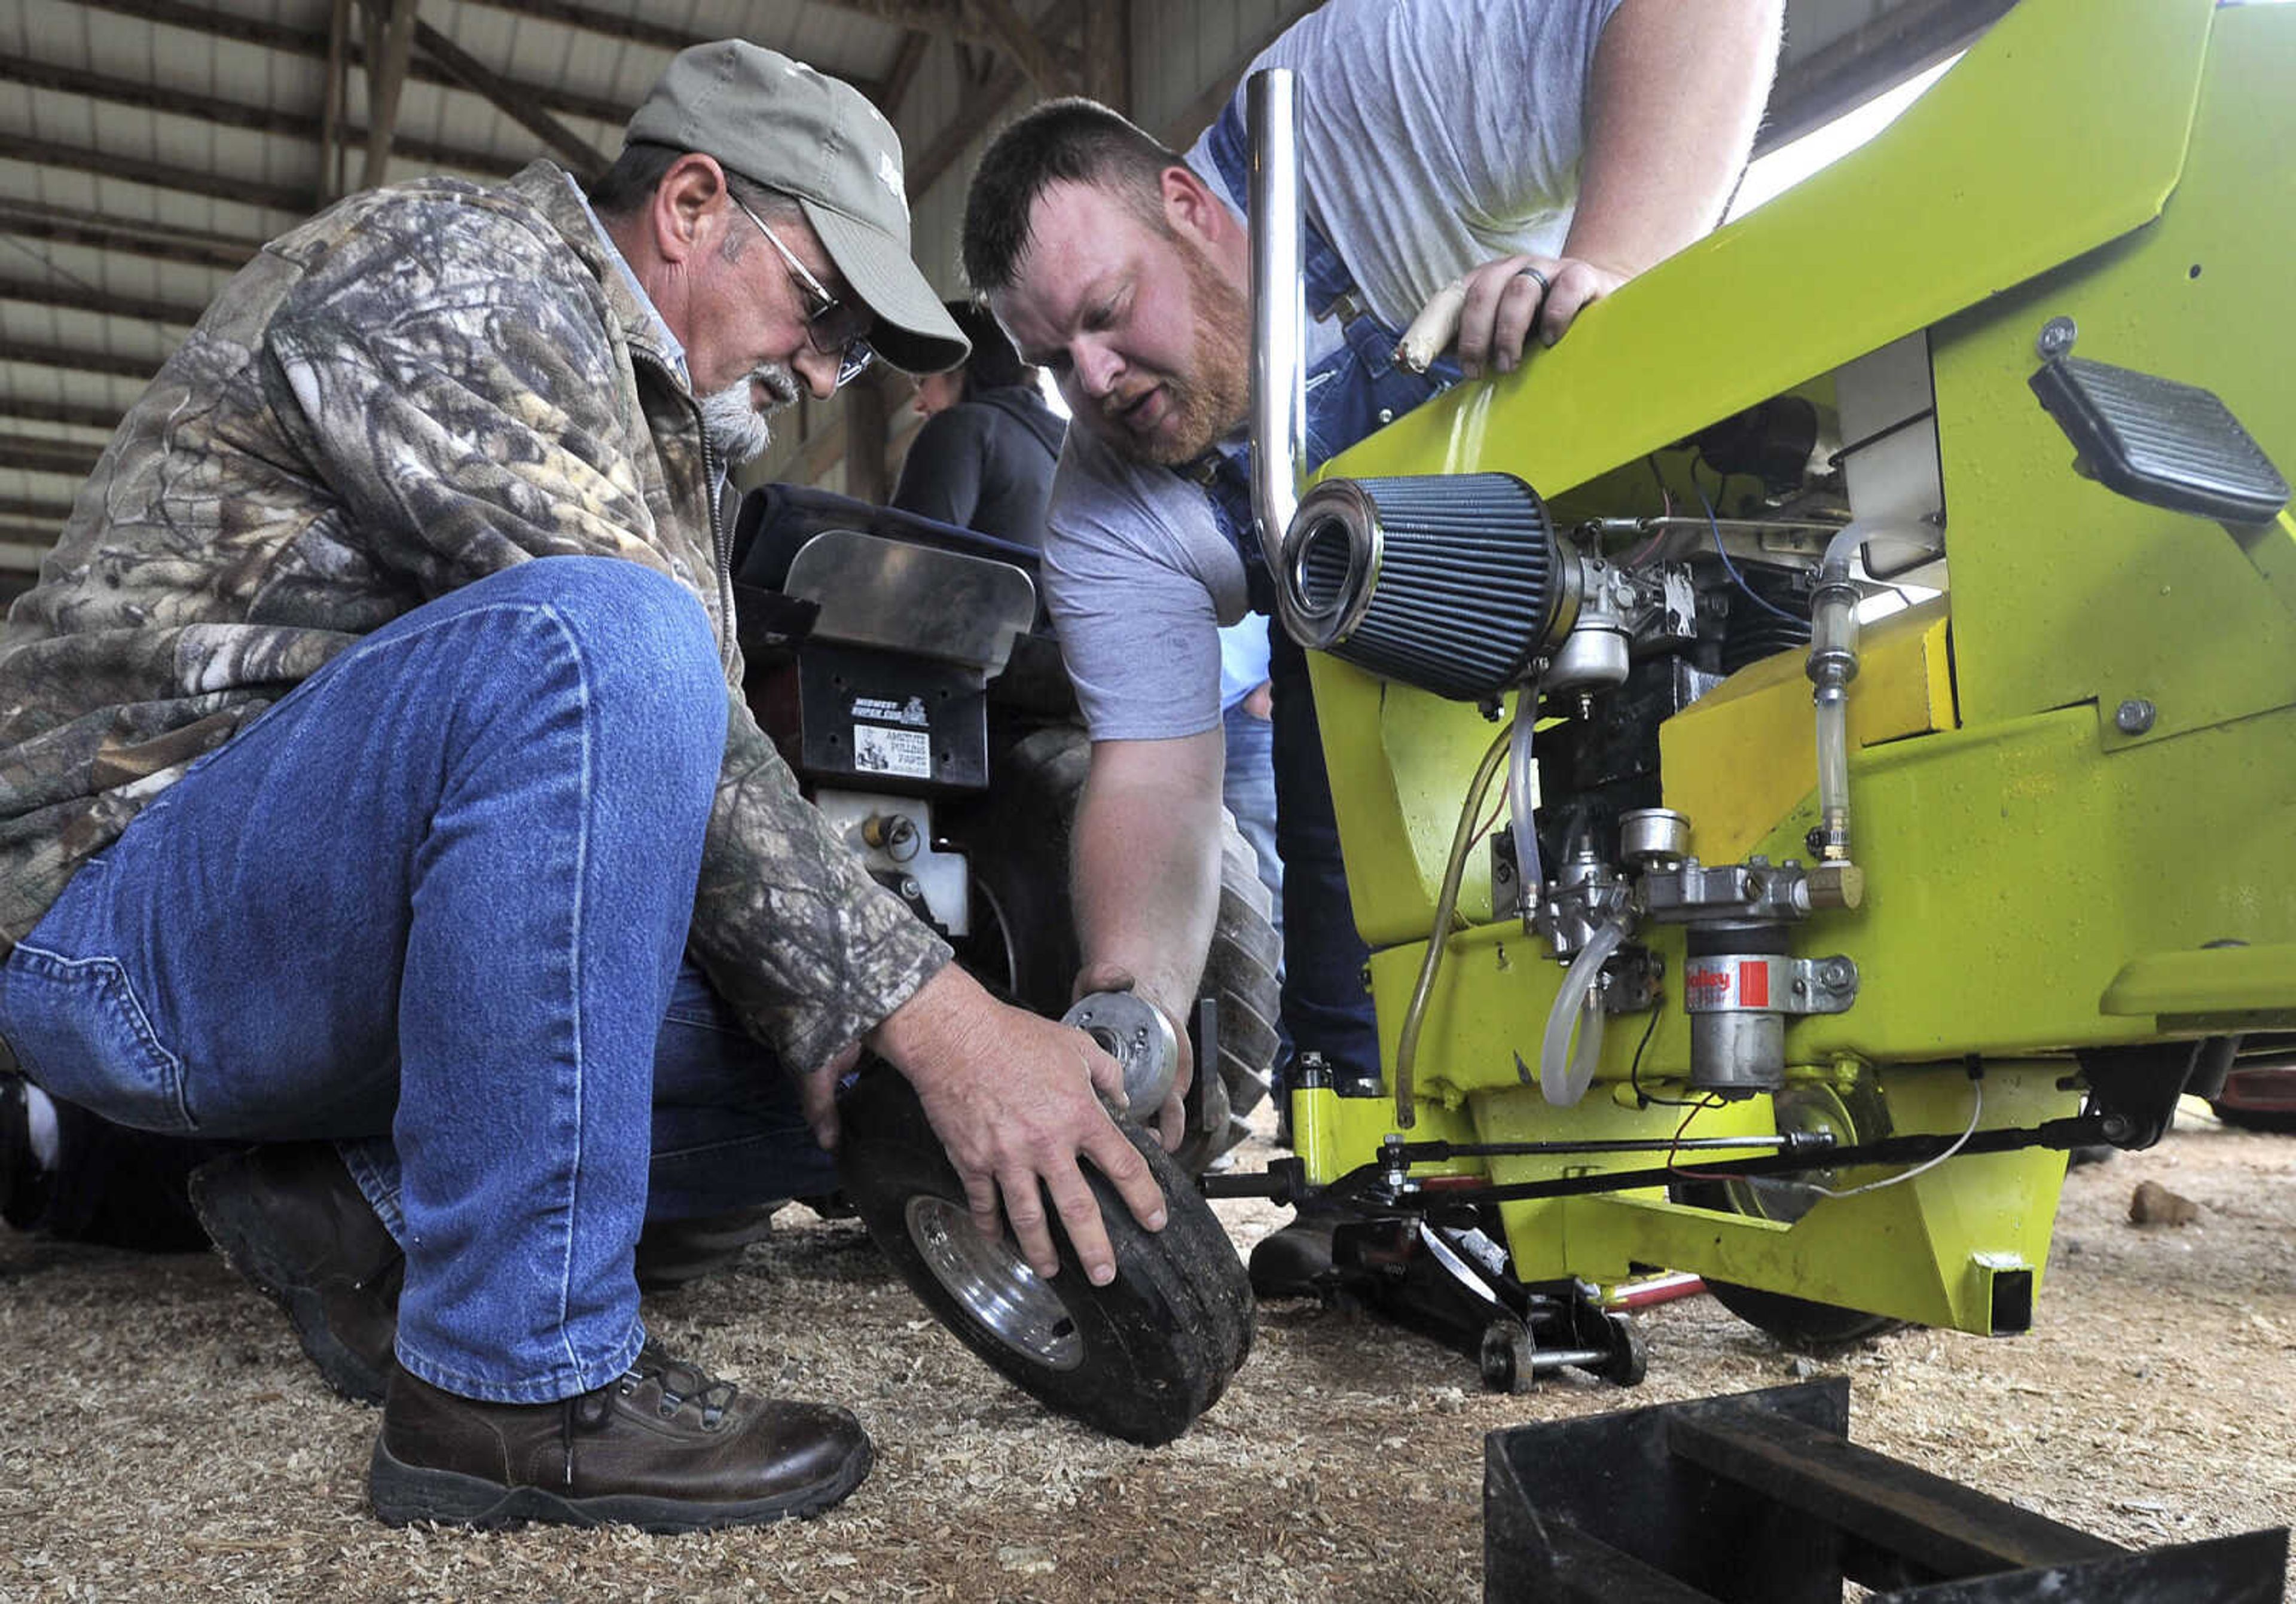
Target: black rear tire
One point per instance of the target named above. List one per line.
(1798, 1322)
(1140, 1358)
(1023, 945)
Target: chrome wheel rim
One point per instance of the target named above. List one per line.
(994, 1285)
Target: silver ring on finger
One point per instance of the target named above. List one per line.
(1545, 284)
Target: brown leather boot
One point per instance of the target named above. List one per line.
(665, 1447)
(291, 1219)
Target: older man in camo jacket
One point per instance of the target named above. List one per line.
(329, 816)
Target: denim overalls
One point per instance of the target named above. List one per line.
(1353, 391)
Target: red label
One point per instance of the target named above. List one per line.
(1754, 984)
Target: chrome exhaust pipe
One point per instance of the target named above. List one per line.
(1455, 583)
(1279, 321)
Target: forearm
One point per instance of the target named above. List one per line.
(1145, 874)
(1675, 94)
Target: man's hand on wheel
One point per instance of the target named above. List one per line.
(1016, 1101)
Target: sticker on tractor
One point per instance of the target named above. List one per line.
(1719, 984)
(885, 710)
(878, 750)
(1753, 984)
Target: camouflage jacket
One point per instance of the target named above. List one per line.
(415, 389)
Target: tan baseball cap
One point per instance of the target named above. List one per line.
(779, 123)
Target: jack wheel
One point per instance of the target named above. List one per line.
(1505, 1361)
(1629, 1360)
(1140, 1358)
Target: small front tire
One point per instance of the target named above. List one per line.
(1140, 1358)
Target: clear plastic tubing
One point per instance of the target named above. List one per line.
(1576, 1001)
(1519, 806)
(1832, 665)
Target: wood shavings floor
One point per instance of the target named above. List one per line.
(162, 1437)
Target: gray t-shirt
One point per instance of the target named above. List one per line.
(1435, 134)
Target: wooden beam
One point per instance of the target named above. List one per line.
(973, 118)
(199, 181)
(1180, 130)
(160, 174)
(73, 413)
(40, 511)
(37, 453)
(1020, 41)
(73, 359)
(1108, 54)
(192, 247)
(102, 303)
(609, 25)
(976, 114)
(822, 451)
(390, 41)
(468, 71)
(19, 541)
(866, 478)
(1874, 56)
(331, 110)
(314, 42)
(942, 18)
(22, 562)
(897, 84)
(149, 97)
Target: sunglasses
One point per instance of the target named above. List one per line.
(832, 327)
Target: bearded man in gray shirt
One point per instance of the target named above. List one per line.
(1547, 150)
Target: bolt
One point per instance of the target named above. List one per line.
(2057, 337)
(1837, 974)
(2135, 717)
(910, 889)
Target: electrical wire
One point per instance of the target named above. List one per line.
(1644, 1100)
(1976, 1111)
(1675, 1146)
(1732, 569)
(1447, 901)
(1666, 504)
(1976, 1108)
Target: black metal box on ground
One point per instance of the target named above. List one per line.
(1760, 1498)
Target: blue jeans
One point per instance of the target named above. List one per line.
(433, 906)
(1248, 788)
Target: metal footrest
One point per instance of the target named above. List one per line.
(1761, 1499)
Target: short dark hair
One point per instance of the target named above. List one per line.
(1068, 141)
(625, 186)
(994, 363)
(624, 189)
